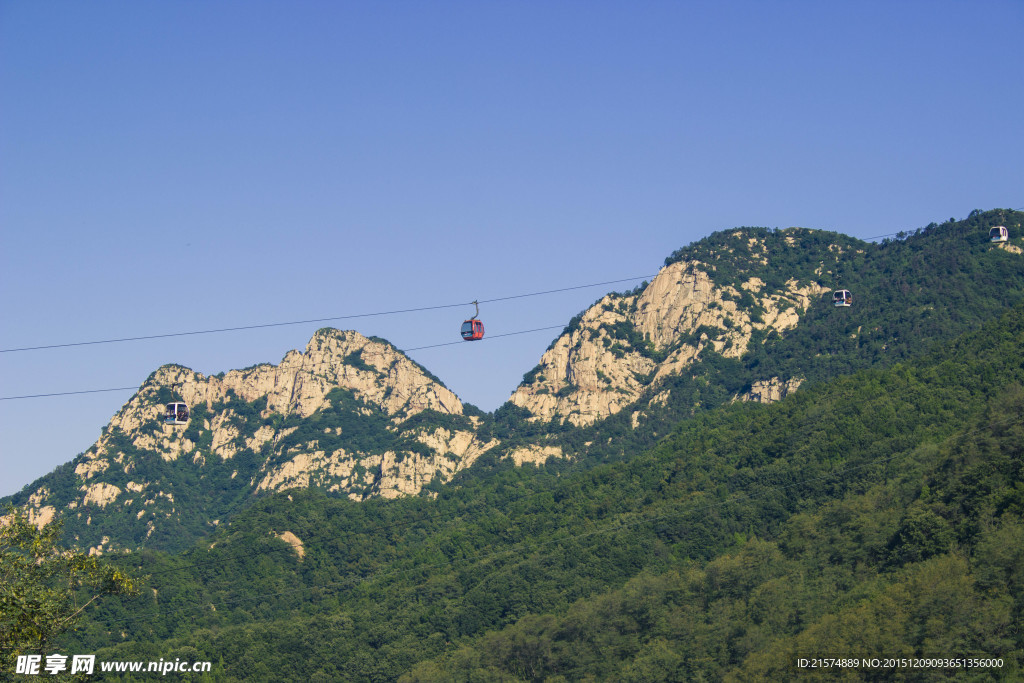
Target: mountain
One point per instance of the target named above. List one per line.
(350, 414)
(626, 345)
(742, 315)
(747, 315)
(879, 514)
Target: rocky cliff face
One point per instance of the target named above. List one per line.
(373, 370)
(625, 345)
(338, 415)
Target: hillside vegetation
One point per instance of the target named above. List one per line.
(879, 514)
(670, 517)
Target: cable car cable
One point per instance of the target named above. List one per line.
(351, 316)
(66, 393)
(415, 348)
(315, 320)
(492, 336)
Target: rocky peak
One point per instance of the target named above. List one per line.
(625, 344)
(339, 415)
(374, 370)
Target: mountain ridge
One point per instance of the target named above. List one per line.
(742, 314)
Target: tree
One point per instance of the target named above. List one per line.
(44, 588)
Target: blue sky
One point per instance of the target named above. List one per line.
(179, 166)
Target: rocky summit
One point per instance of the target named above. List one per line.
(625, 345)
(338, 415)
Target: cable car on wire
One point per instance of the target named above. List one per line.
(177, 414)
(473, 329)
(842, 297)
(999, 234)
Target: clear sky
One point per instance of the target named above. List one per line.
(174, 166)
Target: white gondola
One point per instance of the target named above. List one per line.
(177, 414)
(842, 297)
(999, 234)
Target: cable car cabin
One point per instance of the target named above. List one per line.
(177, 414)
(472, 330)
(842, 297)
(999, 234)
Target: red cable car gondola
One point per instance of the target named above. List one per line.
(473, 329)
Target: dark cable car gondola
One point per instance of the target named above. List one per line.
(473, 329)
(177, 414)
(842, 297)
(999, 234)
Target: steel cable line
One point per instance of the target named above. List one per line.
(317, 320)
(415, 348)
(349, 316)
(492, 336)
(66, 393)
(904, 232)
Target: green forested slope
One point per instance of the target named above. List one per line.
(877, 514)
(928, 563)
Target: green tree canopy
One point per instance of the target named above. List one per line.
(44, 588)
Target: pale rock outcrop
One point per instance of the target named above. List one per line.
(42, 516)
(294, 541)
(262, 436)
(771, 390)
(100, 494)
(593, 371)
(97, 550)
(224, 435)
(387, 474)
(462, 446)
(454, 451)
(88, 468)
(39, 496)
(297, 472)
(374, 371)
(534, 454)
(380, 375)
